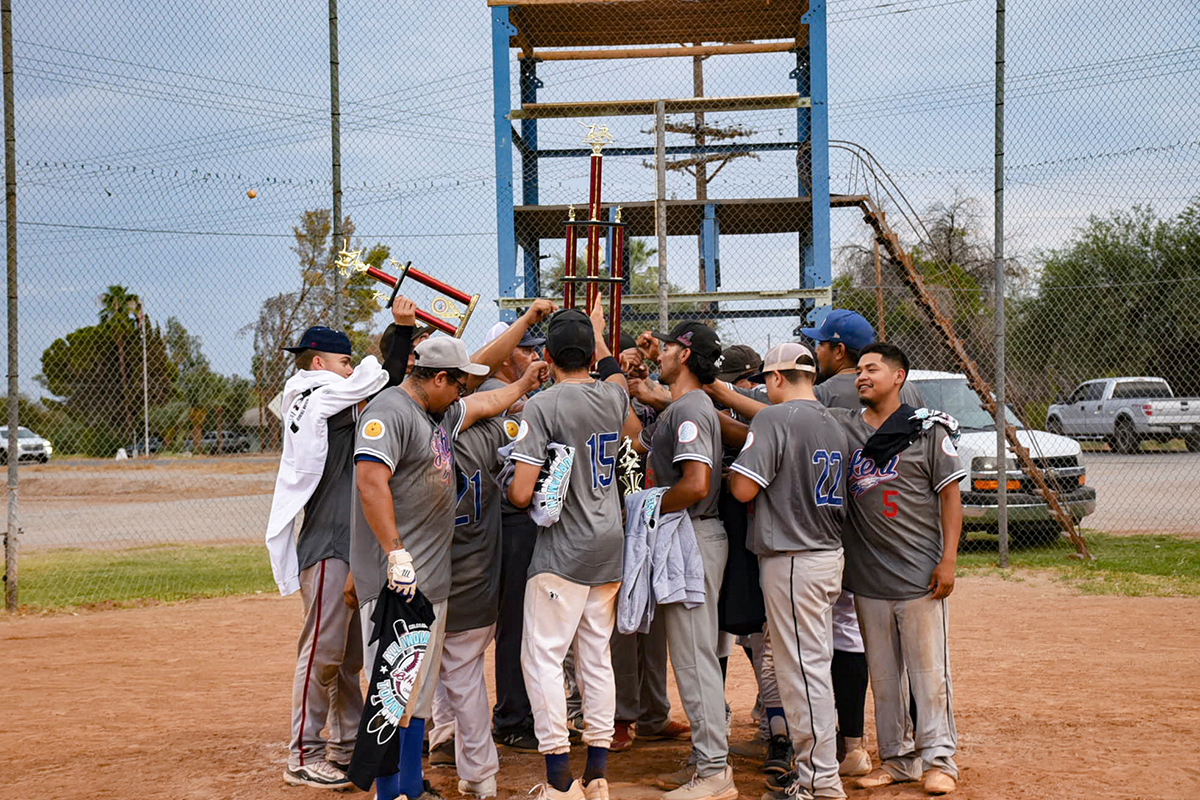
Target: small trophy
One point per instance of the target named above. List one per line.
(629, 468)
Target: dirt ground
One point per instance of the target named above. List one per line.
(1057, 696)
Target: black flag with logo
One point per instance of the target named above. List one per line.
(402, 629)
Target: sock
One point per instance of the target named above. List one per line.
(387, 787)
(596, 761)
(777, 722)
(724, 668)
(853, 743)
(558, 770)
(412, 778)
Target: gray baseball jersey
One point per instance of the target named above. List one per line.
(838, 391)
(586, 545)
(490, 385)
(325, 532)
(688, 430)
(895, 537)
(796, 452)
(396, 431)
(475, 554)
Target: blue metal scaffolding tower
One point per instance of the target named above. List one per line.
(542, 30)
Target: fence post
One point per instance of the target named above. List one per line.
(660, 207)
(11, 543)
(335, 127)
(1001, 459)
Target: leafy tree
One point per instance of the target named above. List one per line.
(96, 371)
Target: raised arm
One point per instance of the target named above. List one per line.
(733, 433)
(483, 405)
(404, 314)
(723, 393)
(613, 372)
(492, 354)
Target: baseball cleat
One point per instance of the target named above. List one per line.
(714, 787)
(937, 782)
(318, 775)
(856, 763)
(442, 755)
(673, 780)
(518, 740)
(544, 791)
(781, 783)
(596, 789)
(779, 756)
(671, 731)
(878, 778)
(478, 789)
(623, 737)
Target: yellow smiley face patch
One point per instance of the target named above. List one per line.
(373, 429)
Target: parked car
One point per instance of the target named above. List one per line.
(1124, 412)
(1058, 456)
(152, 445)
(32, 447)
(224, 442)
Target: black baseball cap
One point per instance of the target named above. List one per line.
(627, 342)
(696, 336)
(737, 361)
(570, 329)
(326, 340)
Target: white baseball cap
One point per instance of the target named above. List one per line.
(783, 357)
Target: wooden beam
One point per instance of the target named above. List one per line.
(683, 105)
(666, 52)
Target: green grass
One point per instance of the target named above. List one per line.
(113, 578)
(1134, 566)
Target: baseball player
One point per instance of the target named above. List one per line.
(571, 595)
(791, 467)
(684, 446)
(460, 705)
(404, 525)
(901, 547)
(321, 402)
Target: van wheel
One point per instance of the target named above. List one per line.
(1125, 438)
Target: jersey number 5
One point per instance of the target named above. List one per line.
(829, 484)
(473, 484)
(603, 459)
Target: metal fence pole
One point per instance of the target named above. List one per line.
(1001, 460)
(660, 206)
(335, 126)
(11, 537)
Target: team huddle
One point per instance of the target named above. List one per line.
(803, 504)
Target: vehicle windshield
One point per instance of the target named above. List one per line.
(1141, 390)
(956, 398)
(22, 433)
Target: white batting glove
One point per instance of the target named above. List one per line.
(401, 574)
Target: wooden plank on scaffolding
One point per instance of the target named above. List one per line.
(682, 105)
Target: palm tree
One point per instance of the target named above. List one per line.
(119, 309)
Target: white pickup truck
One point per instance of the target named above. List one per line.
(1058, 456)
(1126, 412)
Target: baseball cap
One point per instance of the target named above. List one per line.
(570, 329)
(843, 326)
(783, 357)
(627, 342)
(327, 340)
(694, 335)
(738, 360)
(446, 352)
(528, 339)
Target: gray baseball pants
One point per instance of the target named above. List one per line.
(325, 689)
(907, 645)
(460, 705)
(799, 590)
(692, 641)
(640, 667)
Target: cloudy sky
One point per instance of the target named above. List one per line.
(142, 125)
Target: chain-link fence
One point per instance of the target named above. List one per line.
(174, 183)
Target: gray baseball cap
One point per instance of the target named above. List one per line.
(446, 352)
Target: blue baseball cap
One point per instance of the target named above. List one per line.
(326, 340)
(843, 327)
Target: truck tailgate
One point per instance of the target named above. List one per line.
(1177, 411)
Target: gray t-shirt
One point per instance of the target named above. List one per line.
(838, 391)
(396, 431)
(325, 532)
(586, 545)
(475, 554)
(688, 430)
(796, 452)
(895, 537)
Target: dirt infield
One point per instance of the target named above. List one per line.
(1057, 696)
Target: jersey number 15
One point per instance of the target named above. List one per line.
(603, 458)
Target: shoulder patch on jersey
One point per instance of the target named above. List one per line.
(948, 447)
(687, 432)
(522, 431)
(511, 428)
(749, 441)
(373, 429)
